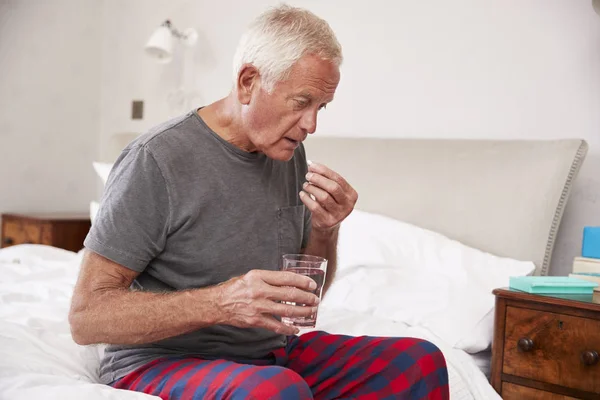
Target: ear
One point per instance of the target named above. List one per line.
(248, 81)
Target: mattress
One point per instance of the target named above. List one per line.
(38, 358)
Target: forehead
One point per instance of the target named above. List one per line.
(313, 75)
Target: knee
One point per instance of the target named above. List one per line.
(428, 373)
(431, 351)
(276, 382)
(426, 355)
(436, 358)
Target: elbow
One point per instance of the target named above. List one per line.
(80, 323)
(78, 331)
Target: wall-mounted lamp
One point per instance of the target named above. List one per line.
(160, 44)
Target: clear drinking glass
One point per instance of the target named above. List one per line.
(315, 268)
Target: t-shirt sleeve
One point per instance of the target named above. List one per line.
(132, 222)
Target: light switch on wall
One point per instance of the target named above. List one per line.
(137, 109)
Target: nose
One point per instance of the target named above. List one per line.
(308, 123)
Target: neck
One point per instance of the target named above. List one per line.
(224, 118)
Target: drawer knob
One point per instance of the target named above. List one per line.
(525, 344)
(8, 241)
(590, 357)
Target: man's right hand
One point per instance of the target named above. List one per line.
(252, 299)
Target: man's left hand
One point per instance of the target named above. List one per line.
(334, 198)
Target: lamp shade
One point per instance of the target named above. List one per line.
(160, 45)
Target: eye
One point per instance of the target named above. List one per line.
(300, 104)
(322, 106)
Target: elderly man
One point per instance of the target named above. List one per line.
(180, 276)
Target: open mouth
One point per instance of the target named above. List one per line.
(292, 141)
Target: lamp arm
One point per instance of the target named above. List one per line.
(178, 34)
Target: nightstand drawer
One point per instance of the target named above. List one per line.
(65, 231)
(554, 348)
(513, 391)
(17, 231)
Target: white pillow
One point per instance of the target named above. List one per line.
(103, 170)
(405, 273)
(94, 206)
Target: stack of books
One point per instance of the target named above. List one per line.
(585, 276)
(587, 269)
(587, 266)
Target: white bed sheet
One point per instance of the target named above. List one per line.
(467, 381)
(483, 360)
(38, 358)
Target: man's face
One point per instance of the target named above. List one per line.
(277, 123)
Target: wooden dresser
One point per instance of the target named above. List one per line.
(66, 231)
(546, 347)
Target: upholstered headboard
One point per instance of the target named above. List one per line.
(503, 197)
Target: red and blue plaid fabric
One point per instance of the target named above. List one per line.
(316, 365)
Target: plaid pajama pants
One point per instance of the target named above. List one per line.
(316, 365)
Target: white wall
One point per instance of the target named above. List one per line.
(49, 103)
(466, 68)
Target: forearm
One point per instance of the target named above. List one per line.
(325, 245)
(122, 316)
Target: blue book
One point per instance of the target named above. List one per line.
(551, 284)
(590, 246)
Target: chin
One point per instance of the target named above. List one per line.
(280, 154)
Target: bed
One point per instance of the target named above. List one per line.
(438, 225)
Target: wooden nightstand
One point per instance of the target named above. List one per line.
(66, 231)
(546, 346)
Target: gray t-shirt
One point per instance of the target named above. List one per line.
(187, 209)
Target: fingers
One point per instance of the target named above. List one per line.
(328, 173)
(283, 278)
(328, 185)
(280, 286)
(293, 295)
(328, 196)
(333, 183)
(285, 310)
(270, 323)
(320, 215)
(266, 309)
(321, 196)
(251, 300)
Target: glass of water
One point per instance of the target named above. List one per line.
(315, 268)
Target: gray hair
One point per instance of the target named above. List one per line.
(281, 36)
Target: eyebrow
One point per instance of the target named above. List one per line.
(295, 95)
(308, 96)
